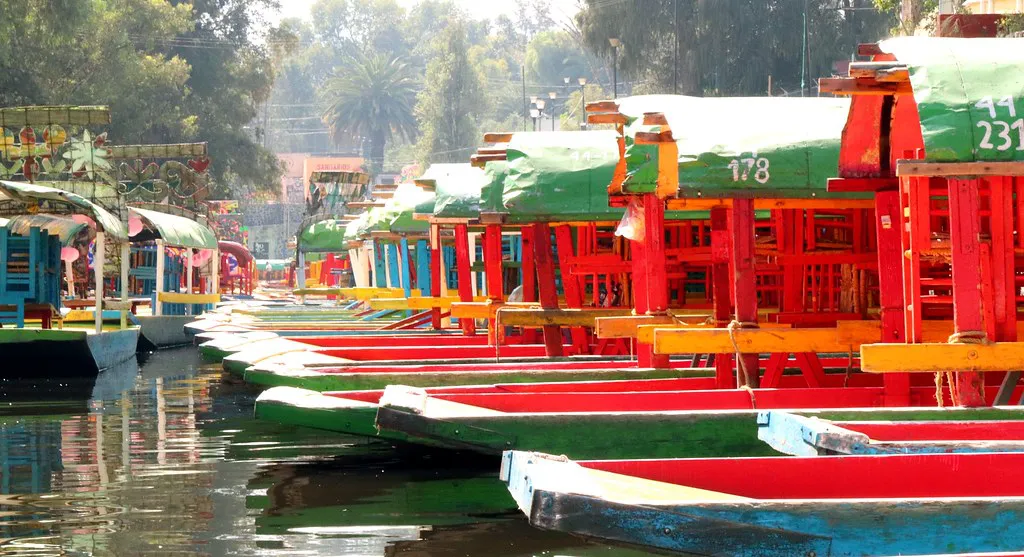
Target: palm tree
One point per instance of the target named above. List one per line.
(372, 96)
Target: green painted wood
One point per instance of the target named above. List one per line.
(355, 381)
(632, 435)
(969, 93)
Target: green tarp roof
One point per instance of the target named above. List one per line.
(969, 93)
(397, 213)
(731, 146)
(64, 227)
(33, 194)
(458, 191)
(177, 231)
(560, 176)
(326, 235)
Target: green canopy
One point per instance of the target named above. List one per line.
(494, 187)
(326, 235)
(64, 227)
(969, 93)
(272, 264)
(39, 196)
(735, 146)
(177, 231)
(560, 176)
(458, 191)
(397, 213)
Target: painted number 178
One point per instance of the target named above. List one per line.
(997, 133)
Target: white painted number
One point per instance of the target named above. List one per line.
(741, 169)
(1000, 129)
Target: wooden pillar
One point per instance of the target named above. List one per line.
(656, 275)
(471, 243)
(98, 260)
(380, 272)
(126, 254)
(436, 279)
(189, 270)
(745, 283)
(546, 285)
(1004, 328)
(158, 306)
(465, 274)
(423, 273)
(965, 241)
(493, 261)
(493, 276)
(392, 265)
(896, 386)
(300, 273)
(215, 271)
(571, 285)
(403, 249)
(529, 275)
(721, 306)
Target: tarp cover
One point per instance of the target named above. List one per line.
(560, 176)
(33, 194)
(735, 146)
(326, 235)
(969, 94)
(397, 213)
(355, 229)
(459, 192)
(64, 227)
(177, 231)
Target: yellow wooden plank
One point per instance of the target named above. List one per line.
(185, 298)
(428, 302)
(484, 309)
(319, 291)
(389, 303)
(856, 333)
(940, 356)
(537, 317)
(645, 333)
(749, 341)
(626, 326)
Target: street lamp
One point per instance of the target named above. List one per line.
(553, 95)
(583, 102)
(616, 43)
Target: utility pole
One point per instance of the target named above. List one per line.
(526, 107)
(675, 61)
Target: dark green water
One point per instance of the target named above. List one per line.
(167, 460)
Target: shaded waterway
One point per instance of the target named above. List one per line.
(165, 459)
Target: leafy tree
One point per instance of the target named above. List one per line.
(730, 46)
(372, 96)
(554, 55)
(360, 27)
(452, 101)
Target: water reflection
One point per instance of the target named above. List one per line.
(168, 461)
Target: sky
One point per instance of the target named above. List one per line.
(477, 9)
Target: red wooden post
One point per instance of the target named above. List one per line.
(571, 285)
(745, 281)
(964, 237)
(890, 289)
(656, 277)
(546, 283)
(720, 254)
(529, 274)
(493, 273)
(435, 273)
(465, 274)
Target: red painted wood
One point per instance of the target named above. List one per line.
(725, 378)
(717, 399)
(571, 285)
(887, 477)
(435, 273)
(529, 277)
(654, 260)
(542, 253)
(964, 240)
(1002, 256)
(861, 149)
(369, 340)
(465, 273)
(492, 262)
(744, 280)
(364, 354)
(1002, 430)
(890, 292)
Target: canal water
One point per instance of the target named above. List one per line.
(164, 459)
